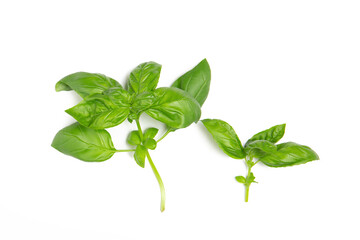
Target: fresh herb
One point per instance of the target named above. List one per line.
(107, 104)
(260, 148)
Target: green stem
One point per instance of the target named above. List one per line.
(165, 134)
(139, 129)
(249, 163)
(247, 185)
(156, 173)
(158, 178)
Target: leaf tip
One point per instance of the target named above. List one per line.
(204, 61)
(60, 86)
(69, 111)
(205, 120)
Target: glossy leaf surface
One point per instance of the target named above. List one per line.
(86, 144)
(86, 84)
(150, 132)
(150, 143)
(142, 102)
(144, 78)
(196, 81)
(134, 138)
(259, 148)
(139, 156)
(273, 134)
(174, 107)
(225, 137)
(289, 154)
(101, 111)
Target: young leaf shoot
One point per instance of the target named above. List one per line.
(259, 148)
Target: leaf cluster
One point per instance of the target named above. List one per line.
(261, 147)
(106, 103)
(142, 143)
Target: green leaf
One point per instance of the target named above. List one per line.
(86, 84)
(134, 138)
(174, 107)
(150, 132)
(250, 179)
(101, 111)
(140, 154)
(289, 154)
(225, 137)
(144, 78)
(196, 81)
(150, 143)
(132, 117)
(84, 143)
(259, 148)
(240, 179)
(273, 134)
(142, 102)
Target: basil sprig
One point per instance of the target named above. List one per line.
(107, 104)
(259, 148)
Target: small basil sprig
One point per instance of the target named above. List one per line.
(259, 148)
(107, 104)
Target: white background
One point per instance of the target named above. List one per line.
(294, 62)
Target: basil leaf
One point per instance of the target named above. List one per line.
(142, 102)
(84, 143)
(144, 78)
(174, 107)
(85, 83)
(150, 143)
(225, 137)
(139, 156)
(240, 179)
(134, 138)
(196, 81)
(289, 154)
(259, 148)
(101, 111)
(150, 132)
(250, 179)
(273, 134)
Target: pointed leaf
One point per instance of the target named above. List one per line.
(86, 84)
(150, 132)
(196, 81)
(144, 78)
(140, 154)
(289, 154)
(174, 107)
(101, 111)
(273, 134)
(226, 137)
(84, 143)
